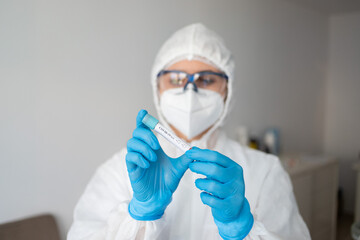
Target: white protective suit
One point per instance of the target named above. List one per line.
(102, 211)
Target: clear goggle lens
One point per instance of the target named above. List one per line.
(205, 80)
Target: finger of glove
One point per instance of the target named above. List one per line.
(213, 187)
(134, 160)
(210, 170)
(135, 172)
(207, 155)
(212, 201)
(140, 116)
(136, 145)
(147, 136)
(182, 162)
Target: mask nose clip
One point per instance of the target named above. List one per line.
(191, 80)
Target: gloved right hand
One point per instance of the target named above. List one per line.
(154, 176)
(224, 191)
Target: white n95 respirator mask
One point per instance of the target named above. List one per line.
(191, 112)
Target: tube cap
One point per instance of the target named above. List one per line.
(150, 121)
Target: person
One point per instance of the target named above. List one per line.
(218, 189)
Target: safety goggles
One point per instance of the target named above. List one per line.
(209, 80)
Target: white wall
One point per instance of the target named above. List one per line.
(73, 75)
(342, 124)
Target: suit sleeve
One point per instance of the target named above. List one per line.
(102, 211)
(276, 213)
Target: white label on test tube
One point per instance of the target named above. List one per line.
(171, 137)
(154, 124)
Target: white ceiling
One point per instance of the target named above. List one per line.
(330, 6)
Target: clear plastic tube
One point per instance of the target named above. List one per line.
(154, 124)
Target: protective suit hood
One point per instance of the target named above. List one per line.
(194, 41)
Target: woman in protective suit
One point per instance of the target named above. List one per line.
(218, 189)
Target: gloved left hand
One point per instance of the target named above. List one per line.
(224, 191)
(154, 176)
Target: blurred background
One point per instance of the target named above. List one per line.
(74, 74)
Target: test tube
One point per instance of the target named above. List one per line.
(154, 124)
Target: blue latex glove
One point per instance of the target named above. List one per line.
(224, 191)
(153, 175)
